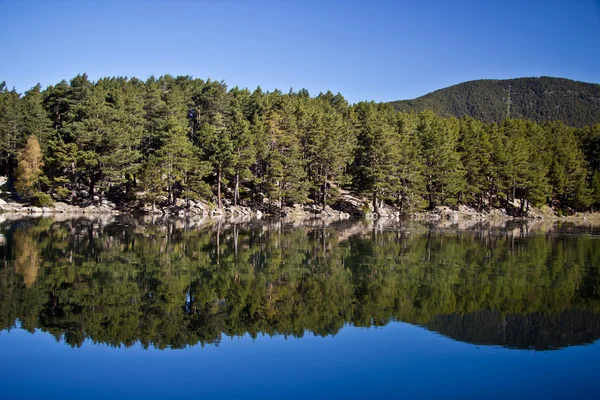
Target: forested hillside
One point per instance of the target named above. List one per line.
(538, 99)
(172, 138)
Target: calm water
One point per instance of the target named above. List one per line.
(131, 309)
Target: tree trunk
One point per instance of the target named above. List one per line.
(514, 192)
(236, 191)
(375, 205)
(92, 183)
(219, 187)
(324, 195)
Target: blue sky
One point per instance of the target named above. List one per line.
(367, 50)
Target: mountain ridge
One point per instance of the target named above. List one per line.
(541, 99)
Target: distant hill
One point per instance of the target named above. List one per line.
(538, 99)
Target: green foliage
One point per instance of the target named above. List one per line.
(285, 176)
(475, 148)
(171, 138)
(328, 145)
(41, 199)
(444, 175)
(377, 152)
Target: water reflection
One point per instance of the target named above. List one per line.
(175, 284)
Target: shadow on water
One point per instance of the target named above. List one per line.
(178, 283)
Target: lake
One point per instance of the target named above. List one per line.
(143, 309)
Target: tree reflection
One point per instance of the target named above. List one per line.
(171, 285)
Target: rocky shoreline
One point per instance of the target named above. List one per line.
(346, 207)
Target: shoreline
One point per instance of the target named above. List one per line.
(202, 210)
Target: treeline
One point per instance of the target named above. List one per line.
(541, 100)
(169, 286)
(181, 138)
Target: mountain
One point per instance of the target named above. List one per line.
(539, 99)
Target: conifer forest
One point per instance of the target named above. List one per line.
(181, 138)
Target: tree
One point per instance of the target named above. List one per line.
(217, 148)
(328, 148)
(475, 150)
(151, 180)
(11, 117)
(285, 175)
(376, 154)
(524, 170)
(243, 152)
(409, 168)
(65, 104)
(35, 119)
(444, 173)
(567, 174)
(29, 168)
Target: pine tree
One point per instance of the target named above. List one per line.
(217, 148)
(328, 148)
(243, 154)
(11, 132)
(285, 175)
(567, 174)
(376, 154)
(151, 180)
(65, 104)
(525, 171)
(260, 142)
(409, 169)
(444, 173)
(596, 188)
(475, 149)
(35, 119)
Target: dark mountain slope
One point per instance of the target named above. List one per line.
(540, 331)
(539, 99)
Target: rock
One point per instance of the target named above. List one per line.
(453, 216)
(61, 207)
(352, 205)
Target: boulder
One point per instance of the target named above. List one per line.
(352, 205)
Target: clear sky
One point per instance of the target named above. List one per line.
(367, 50)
